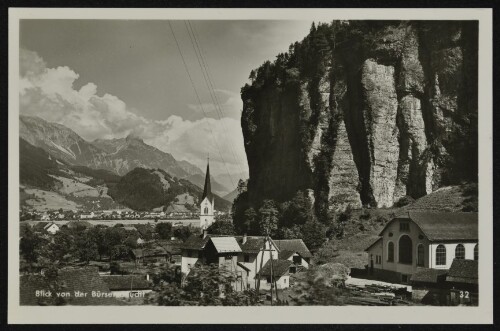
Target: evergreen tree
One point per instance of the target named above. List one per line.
(268, 218)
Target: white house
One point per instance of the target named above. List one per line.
(246, 255)
(280, 274)
(294, 250)
(423, 240)
(207, 205)
(256, 252)
(52, 228)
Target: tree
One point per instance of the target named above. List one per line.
(297, 211)
(222, 228)
(86, 248)
(62, 247)
(268, 218)
(204, 286)
(164, 230)
(182, 232)
(30, 245)
(313, 234)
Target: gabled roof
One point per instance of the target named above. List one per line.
(373, 243)
(226, 244)
(40, 225)
(426, 275)
(126, 282)
(280, 267)
(196, 242)
(75, 279)
(463, 271)
(443, 226)
(295, 245)
(252, 245)
(285, 255)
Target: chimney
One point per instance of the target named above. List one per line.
(244, 238)
(204, 233)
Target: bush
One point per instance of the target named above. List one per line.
(404, 201)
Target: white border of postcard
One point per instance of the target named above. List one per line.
(262, 315)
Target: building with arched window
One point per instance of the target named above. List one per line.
(423, 240)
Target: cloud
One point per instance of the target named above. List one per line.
(229, 105)
(49, 93)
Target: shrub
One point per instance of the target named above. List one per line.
(404, 201)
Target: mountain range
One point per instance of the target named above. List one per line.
(119, 156)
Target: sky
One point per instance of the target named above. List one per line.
(110, 78)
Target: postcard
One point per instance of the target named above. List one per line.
(250, 166)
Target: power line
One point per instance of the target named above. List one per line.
(210, 85)
(199, 100)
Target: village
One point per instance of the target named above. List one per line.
(123, 257)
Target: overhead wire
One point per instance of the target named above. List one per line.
(199, 100)
(205, 68)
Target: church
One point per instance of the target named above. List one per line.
(207, 205)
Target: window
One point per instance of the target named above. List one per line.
(405, 250)
(246, 258)
(420, 255)
(228, 257)
(378, 259)
(390, 251)
(476, 252)
(284, 280)
(206, 210)
(268, 279)
(441, 255)
(404, 226)
(460, 252)
(297, 259)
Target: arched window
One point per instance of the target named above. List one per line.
(460, 252)
(476, 252)
(206, 210)
(390, 251)
(420, 255)
(405, 250)
(441, 255)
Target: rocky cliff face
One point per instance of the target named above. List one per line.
(364, 113)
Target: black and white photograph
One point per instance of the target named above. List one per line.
(249, 162)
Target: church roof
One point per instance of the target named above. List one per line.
(207, 190)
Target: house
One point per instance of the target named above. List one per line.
(463, 281)
(294, 250)
(422, 240)
(128, 286)
(150, 255)
(277, 271)
(256, 251)
(213, 249)
(248, 254)
(70, 280)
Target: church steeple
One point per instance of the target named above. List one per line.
(207, 190)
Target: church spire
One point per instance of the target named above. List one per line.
(207, 190)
